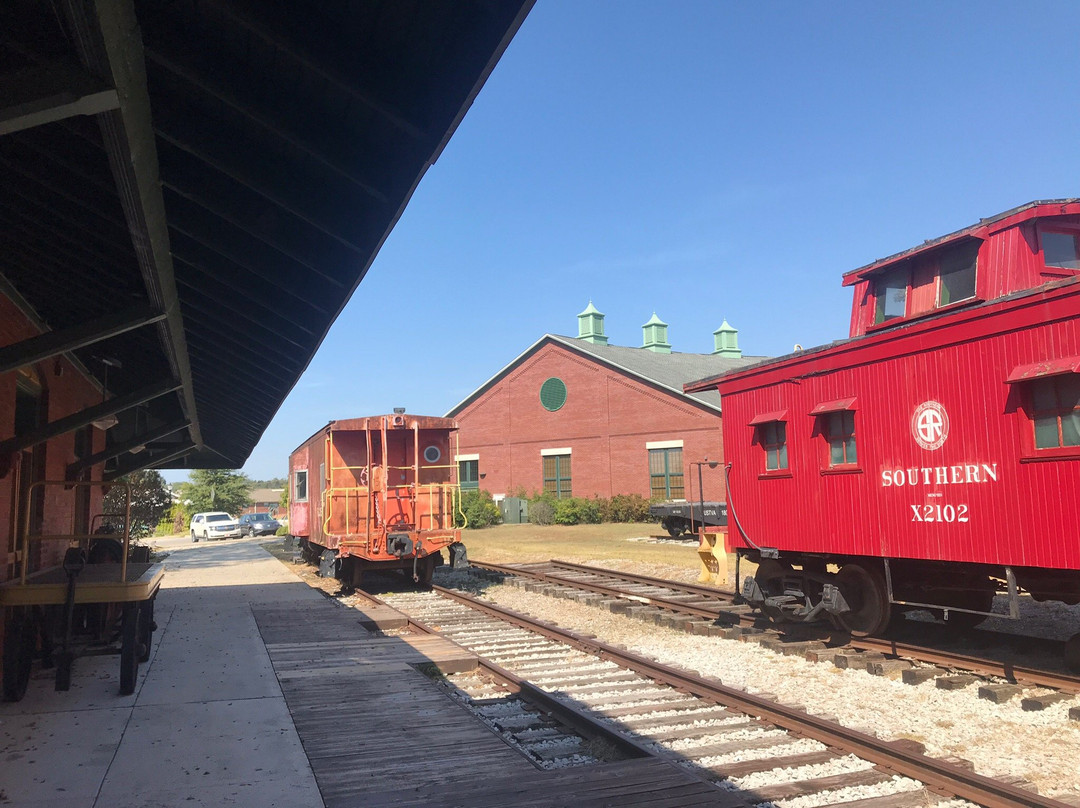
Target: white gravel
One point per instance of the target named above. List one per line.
(894, 786)
(1000, 739)
(842, 765)
(802, 746)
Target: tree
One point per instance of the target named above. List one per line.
(150, 499)
(216, 490)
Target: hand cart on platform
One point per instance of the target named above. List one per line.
(96, 602)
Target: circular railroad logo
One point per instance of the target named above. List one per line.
(930, 425)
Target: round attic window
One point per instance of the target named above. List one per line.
(553, 394)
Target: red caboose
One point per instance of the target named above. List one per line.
(378, 492)
(933, 457)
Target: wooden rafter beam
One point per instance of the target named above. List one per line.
(108, 43)
(140, 461)
(337, 216)
(118, 449)
(309, 62)
(301, 141)
(87, 416)
(53, 343)
(51, 92)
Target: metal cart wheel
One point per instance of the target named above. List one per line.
(146, 629)
(129, 648)
(20, 642)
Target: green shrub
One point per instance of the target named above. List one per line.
(282, 531)
(577, 511)
(479, 508)
(628, 508)
(174, 521)
(542, 512)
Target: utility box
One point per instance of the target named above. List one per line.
(515, 510)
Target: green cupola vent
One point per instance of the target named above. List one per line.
(590, 326)
(726, 342)
(654, 335)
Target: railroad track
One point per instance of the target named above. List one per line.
(753, 748)
(707, 610)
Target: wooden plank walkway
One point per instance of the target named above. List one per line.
(378, 733)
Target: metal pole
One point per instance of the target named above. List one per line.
(701, 494)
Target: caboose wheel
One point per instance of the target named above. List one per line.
(129, 649)
(864, 591)
(425, 571)
(770, 580)
(1072, 653)
(770, 576)
(20, 641)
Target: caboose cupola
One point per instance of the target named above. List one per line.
(1018, 250)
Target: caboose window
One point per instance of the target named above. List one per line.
(300, 487)
(957, 273)
(839, 428)
(773, 439)
(890, 292)
(1061, 250)
(557, 475)
(1056, 411)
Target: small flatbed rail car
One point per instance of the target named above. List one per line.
(74, 608)
(679, 517)
(378, 493)
(934, 456)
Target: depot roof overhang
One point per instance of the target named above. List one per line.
(193, 190)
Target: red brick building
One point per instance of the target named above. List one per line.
(31, 397)
(579, 417)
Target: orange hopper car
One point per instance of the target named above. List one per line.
(378, 493)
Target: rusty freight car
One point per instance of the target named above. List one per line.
(931, 460)
(377, 493)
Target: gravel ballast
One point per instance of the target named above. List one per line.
(1002, 740)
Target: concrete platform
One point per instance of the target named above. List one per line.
(262, 692)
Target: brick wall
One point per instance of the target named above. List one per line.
(66, 391)
(606, 421)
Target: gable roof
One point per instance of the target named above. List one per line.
(667, 371)
(265, 495)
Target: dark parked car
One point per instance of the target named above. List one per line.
(258, 524)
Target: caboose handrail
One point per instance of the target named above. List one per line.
(449, 495)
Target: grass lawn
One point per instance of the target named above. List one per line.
(625, 546)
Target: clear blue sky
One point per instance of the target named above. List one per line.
(703, 160)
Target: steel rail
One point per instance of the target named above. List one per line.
(645, 600)
(937, 774)
(1033, 677)
(581, 722)
(696, 589)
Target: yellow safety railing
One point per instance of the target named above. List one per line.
(443, 501)
(328, 504)
(449, 494)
